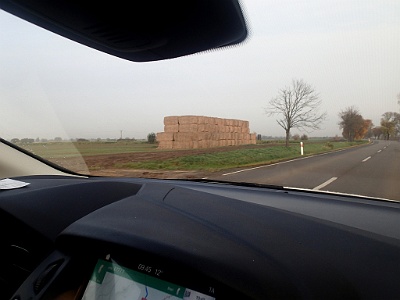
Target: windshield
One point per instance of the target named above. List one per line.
(310, 100)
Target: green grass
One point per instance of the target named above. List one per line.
(238, 158)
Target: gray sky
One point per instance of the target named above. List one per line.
(349, 51)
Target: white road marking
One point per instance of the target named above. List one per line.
(379, 151)
(284, 162)
(365, 159)
(278, 163)
(243, 170)
(325, 183)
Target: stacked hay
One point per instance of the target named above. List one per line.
(192, 132)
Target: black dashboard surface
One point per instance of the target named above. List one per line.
(258, 243)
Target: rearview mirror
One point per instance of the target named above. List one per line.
(138, 30)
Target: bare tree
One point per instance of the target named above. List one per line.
(298, 106)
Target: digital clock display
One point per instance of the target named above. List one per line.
(150, 270)
(110, 280)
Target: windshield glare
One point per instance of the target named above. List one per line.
(310, 100)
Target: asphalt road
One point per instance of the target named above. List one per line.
(372, 170)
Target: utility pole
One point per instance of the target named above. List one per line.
(121, 135)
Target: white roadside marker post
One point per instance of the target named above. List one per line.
(301, 148)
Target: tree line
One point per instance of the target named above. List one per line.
(298, 107)
(355, 127)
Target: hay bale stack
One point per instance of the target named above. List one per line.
(192, 132)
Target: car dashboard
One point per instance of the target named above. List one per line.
(152, 238)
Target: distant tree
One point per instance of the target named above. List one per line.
(363, 131)
(390, 124)
(298, 106)
(58, 139)
(368, 125)
(351, 122)
(27, 141)
(304, 137)
(377, 132)
(15, 141)
(151, 138)
(296, 137)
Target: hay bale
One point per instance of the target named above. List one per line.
(186, 136)
(171, 120)
(165, 136)
(171, 128)
(188, 120)
(166, 145)
(186, 132)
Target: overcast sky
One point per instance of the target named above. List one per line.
(349, 51)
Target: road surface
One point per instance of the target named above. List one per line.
(372, 170)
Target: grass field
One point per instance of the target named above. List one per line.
(67, 149)
(238, 158)
(154, 159)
